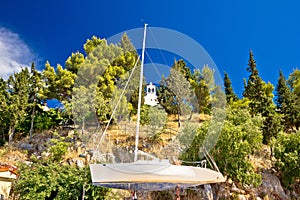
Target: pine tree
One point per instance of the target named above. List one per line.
(74, 62)
(59, 83)
(282, 91)
(287, 103)
(230, 95)
(261, 95)
(181, 66)
(254, 87)
(34, 99)
(18, 85)
(126, 44)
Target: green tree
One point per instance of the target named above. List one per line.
(105, 66)
(253, 89)
(294, 81)
(3, 110)
(49, 177)
(58, 83)
(287, 104)
(181, 67)
(230, 95)
(203, 86)
(286, 152)
(182, 93)
(35, 86)
(261, 95)
(170, 86)
(18, 96)
(91, 44)
(218, 98)
(154, 118)
(52, 180)
(240, 137)
(126, 44)
(120, 105)
(74, 62)
(272, 120)
(165, 97)
(84, 104)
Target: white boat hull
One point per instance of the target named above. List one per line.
(149, 175)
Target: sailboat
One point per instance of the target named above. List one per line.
(153, 174)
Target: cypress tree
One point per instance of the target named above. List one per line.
(287, 104)
(253, 89)
(230, 95)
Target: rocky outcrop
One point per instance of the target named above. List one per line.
(271, 187)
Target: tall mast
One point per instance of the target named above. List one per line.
(140, 98)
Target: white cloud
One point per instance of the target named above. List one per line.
(14, 53)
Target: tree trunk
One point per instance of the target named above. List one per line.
(82, 128)
(191, 115)
(178, 116)
(11, 134)
(32, 120)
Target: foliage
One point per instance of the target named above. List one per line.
(218, 98)
(120, 105)
(83, 104)
(203, 85)
(154, 118)
(59, 83)
(182, 96)
(43, 120)
(254, 88)
(58, 149)
(187, 135)
(181, 67)
(52, 180)
(166, 98)
(287, 153)
(230, 95)
(105, 65)
(261, 102)
(288, 104)
(126, 44)
(294, 81)
(17, 100)
(240, 137)
(3, 109)
(48, 177)
(74, 62)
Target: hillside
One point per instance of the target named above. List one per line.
(79, 154)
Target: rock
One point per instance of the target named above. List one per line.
(266, 197)
(237, 190)
(242, 197)
(220, 191)
(271, 187)
(26, 146)
(208, 194)
(79, 163)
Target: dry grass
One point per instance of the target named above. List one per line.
(12, 156)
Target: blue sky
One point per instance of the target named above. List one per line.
(52, 30)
